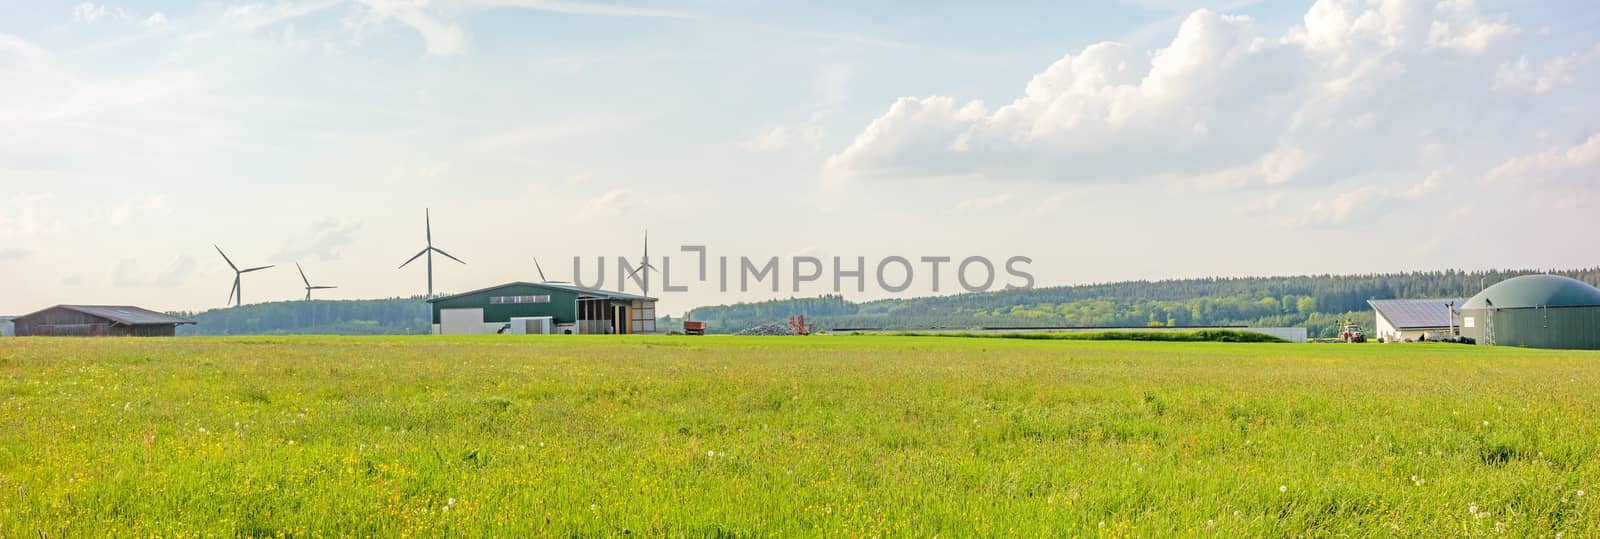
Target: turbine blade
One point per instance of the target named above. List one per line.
(413, 258)
(441, 251)
(541, 270)
(258, 268)
(322, 287)
(225, 257)
(636, 271)
(232, 289)
(427, 220)
(302, 273)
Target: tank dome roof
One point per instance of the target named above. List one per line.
(1535, 291)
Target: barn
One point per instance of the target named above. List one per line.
(1536, 311)
(523, 307)
(5, 326)
(1404, 320)
(97, 321)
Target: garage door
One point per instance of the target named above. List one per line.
(461, 321)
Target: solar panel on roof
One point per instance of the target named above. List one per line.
(1417, 313)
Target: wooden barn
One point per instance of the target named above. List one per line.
(97, 321)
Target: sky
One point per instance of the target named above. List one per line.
(1105, 141)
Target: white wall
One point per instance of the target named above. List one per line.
(1384, 328)
(464, 322)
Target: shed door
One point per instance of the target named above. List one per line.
(461, 321)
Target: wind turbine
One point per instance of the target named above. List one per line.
(644, 265)
(429, 250)
(542, 278)
(309, 287)
(236, 295)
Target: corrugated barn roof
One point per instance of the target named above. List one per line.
(127, 315)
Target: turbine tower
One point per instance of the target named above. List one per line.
(309, 287)
(644, 266)
(429, 250)
(236, 294)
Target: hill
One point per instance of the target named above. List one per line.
(1318, 302)
(391, 316)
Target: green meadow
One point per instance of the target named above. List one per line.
(787, 436)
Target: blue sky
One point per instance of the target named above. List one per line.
(1107, 141)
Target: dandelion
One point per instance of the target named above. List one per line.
(1485, 423)
(1580, 493)
(451, 501)
(1211, 523)
(710, 453)
(1283, 488)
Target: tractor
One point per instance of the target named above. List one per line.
(1352, 334)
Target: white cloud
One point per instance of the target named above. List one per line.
(125, 273)
(121, 213)
(782, 137)
(442, 35)
(1368, 200)
(441, 38)
(155, 20)
(1525, 77)
(584, 8)
(24, 223)
(1053, 203)
(772, 138)
(323, 240)
(1578, 163)
(981, 203)
(611, 204)
(88, 12)
(1359, 87)
(831, 88)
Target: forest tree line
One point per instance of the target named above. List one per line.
(1320, 303)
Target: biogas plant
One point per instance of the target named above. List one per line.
(1535, 311)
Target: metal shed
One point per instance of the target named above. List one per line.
(519, 307)
(97, 321)
(1536, 311)
(1397, 320)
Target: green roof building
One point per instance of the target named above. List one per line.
(522, 307)
(1536, 311)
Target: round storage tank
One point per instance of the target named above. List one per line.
(1536, 311)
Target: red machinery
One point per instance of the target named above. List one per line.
(797, 324)
(694, 328)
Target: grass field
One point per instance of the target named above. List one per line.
(824, 436)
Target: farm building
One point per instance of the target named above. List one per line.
(522, 307)
(1536, 311)
(5, 326)
(97, 321)
(1400, 320)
